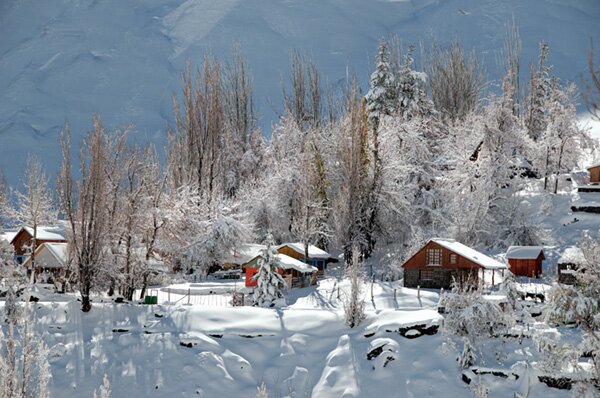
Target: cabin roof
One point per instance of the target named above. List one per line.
(524, 252)
(43, 233)
(572, 255)
(313, 251)
(469, 253)
(287, 262)
(57, 250)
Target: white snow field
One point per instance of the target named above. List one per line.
(66, 59)
(303, 349)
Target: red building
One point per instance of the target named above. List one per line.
(525, 260)
(440, 261)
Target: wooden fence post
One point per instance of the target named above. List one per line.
(418, 291)
(189, 295)
(372, 283)
(395, 296)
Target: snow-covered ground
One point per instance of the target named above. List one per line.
(66, 59)
(207, 349)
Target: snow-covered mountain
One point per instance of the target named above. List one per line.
(66, 59)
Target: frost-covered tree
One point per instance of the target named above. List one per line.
(83, 201)
(470, 316)
(24, 367)
(354, 305)
(261, 391)
(34, 206)
(580, 304)
(269, 283)
(591, 90)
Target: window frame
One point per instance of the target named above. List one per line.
(434, 257)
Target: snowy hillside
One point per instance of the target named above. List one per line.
(65, 59)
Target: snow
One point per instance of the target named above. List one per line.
(50, 255)
(524, 252)
(65, 60)
(313, 251)
(287, 262)
(470, 254)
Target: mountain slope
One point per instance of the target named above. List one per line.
(66, 59)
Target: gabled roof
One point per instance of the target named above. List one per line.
(524, 252)
(287, 262)
(313, 251)
(56, 251)
(593, 166)
(43, 233)
(469, 253)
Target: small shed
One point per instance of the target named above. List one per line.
(525, 260)
(440, 261)
(594, 174)
(295, 272)
(316, 257)
(51, 261)
(569, 262)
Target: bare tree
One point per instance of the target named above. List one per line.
(34, 206)
(83, 202)
(455, 80)
(304, 101)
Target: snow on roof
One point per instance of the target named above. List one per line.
(313, 251)
(45, 233)
(524, 252)
(469, 253)
(594, 165)
(572, 255)
(243, 253)
(8, 236)
(287, 262)
(57, 251)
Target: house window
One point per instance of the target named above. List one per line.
(426, 274)
(453, 259)
(434, 256)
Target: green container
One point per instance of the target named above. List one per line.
(151, 300)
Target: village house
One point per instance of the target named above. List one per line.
(569, 262)
(594, 174)
(316, 257)
(22, 240)
(440, 261)
(50, 262)
(525, 260)
(296, 273)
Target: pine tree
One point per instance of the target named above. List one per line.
(381, 98)
(270, 284)
(412, 99)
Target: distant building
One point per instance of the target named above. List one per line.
(23, 240)
(316, 257)
(440, 261)
(525, 260)
(569, 262)
(594, 174)
(296, 273)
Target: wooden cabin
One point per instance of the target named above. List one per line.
(570, 261)
(440, 261)
(296, 273)
(22, 240)
(594, 174)
(525, 260)
(316, 257)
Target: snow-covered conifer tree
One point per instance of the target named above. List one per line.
(104, 389)
(539, 89)
(381, 98)
(411, 97)
(270, 284)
